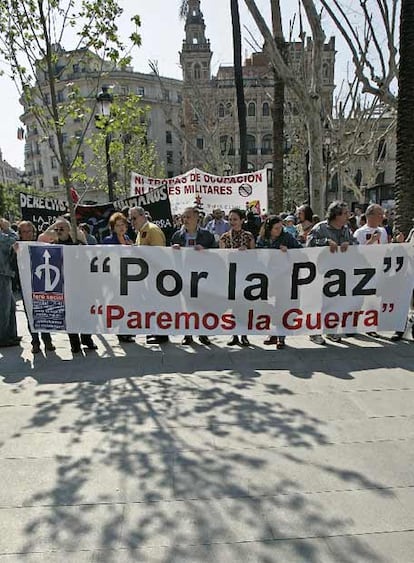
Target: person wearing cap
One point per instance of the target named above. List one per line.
(273, 235)
(289, 225)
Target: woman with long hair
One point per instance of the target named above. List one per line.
(237, 237)
(272, 235)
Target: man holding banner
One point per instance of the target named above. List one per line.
(148, 234)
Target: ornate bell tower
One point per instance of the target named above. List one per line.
(196, 54)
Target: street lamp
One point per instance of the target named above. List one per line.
(327, 155)
(104, 99)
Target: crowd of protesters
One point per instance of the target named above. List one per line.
(237, 230)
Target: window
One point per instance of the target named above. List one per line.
(179, 98)
(197, 71)
(166, 95)
(46, 99)
(221, 110)
(124, 90)
(170, 157)
(265, 109)
(251, 109)
(53, 162)
(141, 91)
(251, 144)
(200, 143)
(170, 174)
(382, 149)
(267, 144)
(78, 135)
(168, 137)
(60, 96)
(56, 181)
(76, 68)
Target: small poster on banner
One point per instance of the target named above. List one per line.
(48, 298)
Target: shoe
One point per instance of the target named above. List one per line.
(150, 339)
(35, 348)
(187, 341)
(397, 336)
(317, 339)
(244, 341)
(12, 342)
(373, 334)
(280, 344)
(76, 350)
(234, 340)
(204, 340)
(270, 341)
(334, 337)
(89, 343)
(49, 347)
(126, 338)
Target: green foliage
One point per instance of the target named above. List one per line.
(31, 44)
(9, 200)
(129, 148)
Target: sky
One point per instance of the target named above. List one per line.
(162, 33)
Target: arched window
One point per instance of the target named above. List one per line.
(251, 144)
(267, 144)
(251, 109)
(221, 110)
(197, 71)
(265, 109)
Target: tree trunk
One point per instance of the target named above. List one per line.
(238, 78)
(317, 181)
(278, 113)
(404, 189)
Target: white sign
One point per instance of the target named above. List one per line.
(154, 290)
(246, 191)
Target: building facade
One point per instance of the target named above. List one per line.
(87, 73)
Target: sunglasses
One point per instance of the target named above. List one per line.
(59, 230)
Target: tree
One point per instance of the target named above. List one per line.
(278, 112)
(371, 39)
(404, 190)
(309, 97)
(31, 32)
(129, 148)
(238, 79)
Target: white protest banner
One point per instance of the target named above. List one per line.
(207, 191)
(153, 290)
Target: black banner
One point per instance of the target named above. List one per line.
(43, 211)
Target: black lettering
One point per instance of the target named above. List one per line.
(160, 283)
(368, 274)
(297, 280)
(262, 286)
(339, 283)
(195, 278)
(231, 293)
(126, 277)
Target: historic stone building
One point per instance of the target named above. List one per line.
(9, 175)
(210, 122)
(87, 72)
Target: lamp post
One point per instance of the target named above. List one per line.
(327, 154)
(104, 99)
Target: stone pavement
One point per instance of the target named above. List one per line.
(140, 453)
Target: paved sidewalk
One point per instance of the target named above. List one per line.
(140, 453)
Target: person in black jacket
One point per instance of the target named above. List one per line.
(191, 234)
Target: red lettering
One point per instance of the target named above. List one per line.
(297, 321)
(228, 321)
(114, 313)
(331, 320)
(207, 324)
(164, 320)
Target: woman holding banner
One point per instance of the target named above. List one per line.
(118, 224)
(273, 235)
(237, 237)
